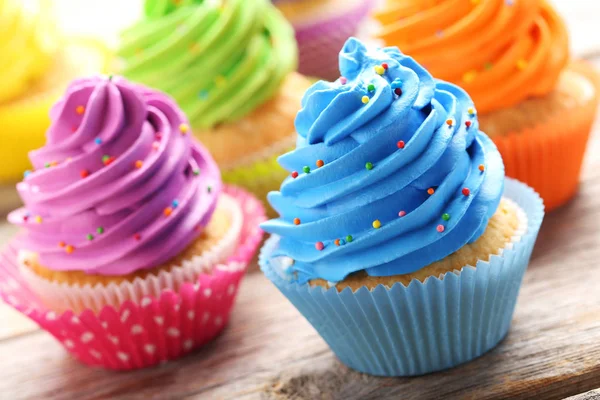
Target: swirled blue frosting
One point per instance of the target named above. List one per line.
(337, 204)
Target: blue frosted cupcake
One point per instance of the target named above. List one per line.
(399, 238)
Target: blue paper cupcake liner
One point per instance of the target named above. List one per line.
(425, 327)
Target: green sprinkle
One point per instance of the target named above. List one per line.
(208, 189)
(47, 165)
(100, 230)
(348, 238)
(369, 166)
(196, 172)
(445, 216)
(90, 236)
(306, 169)
(105, 158)
(371, 88)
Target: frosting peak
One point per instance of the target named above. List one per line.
(391, 172)
(120, 185)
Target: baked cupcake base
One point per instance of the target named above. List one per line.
(24, 120)
(247, 150)
(425, 326)
(543, 140)
(147, 330)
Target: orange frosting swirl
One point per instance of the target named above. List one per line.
(500, 51)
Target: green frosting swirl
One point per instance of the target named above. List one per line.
(219, 59)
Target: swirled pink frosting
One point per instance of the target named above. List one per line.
(120, 185)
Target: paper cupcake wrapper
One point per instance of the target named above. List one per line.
(155, 330)
(425, 327)
(63, 296)
(549, 157)
(261, 173)
(319, 43)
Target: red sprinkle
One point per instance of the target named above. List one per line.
(295, 174)
(109, 161)
(137, 236)
(440, 228)
(466, 191)
(319, 246)
(398, 91)
(296, 221)
(402, 213)
(400, 144)
(385, 66)
(84, 173)
(25, 218)
(468, 124)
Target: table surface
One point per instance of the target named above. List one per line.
(269, 351)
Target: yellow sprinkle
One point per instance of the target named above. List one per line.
(379, 69)
(469, 76)
(220, 80)
(377, 224)
(365, 99)
(183, 128)
(471, 110)
(38, 219)
(521, 64)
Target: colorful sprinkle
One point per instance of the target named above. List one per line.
(319, 246)
(400, 144)
(379, 69)
(521, 64)
(209, 189)
(26, 173)
(80, 110)
(89, 236)
(365, 99)
(466, 191)
(336, 242)
(47, 165)
(445, 216)
(175, 203)
(468, 124)
(294, 174)
(25, 217)
(430, 191)
(155, 145)
(100, 230)
(320, 163)
(449, 122)
(385, 65)
(402, 214)
(138, 164)
(343, 80)
(377, 224)
(481, 167)
(369, 166)
(69, 249)
(183, 128)
(98, 141)
(61, 244)
(469, 76)
(84, 173)
(371, 88)
(349, 238)
(471, 111)
(296, 221)
(196, 172)
(38, 219)
(107, 160)
(342, 242)
(398, 91)
(306, 169)
(168, 211)
(74, 129)
(440, 228)
(137, 236)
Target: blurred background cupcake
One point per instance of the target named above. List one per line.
(230, 65)
(322, 27)
(128, 212)
(512, 57)
(37, 63)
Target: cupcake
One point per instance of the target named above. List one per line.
(38, 65)
(512, 57)
(127, 217)
(322, 27)
(230, 67)
(406, 248)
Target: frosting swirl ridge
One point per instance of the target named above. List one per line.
(403, 175)
(120, 185)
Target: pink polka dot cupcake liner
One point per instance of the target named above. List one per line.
(142, 331)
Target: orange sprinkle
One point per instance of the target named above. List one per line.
(337, 242)
(80, 110)
(481, 167)
(61, 244)
(449, 122)
(168, 211)
(138, 164)
(430, 191)
(296, 221)
(69, 249)
(320, 163)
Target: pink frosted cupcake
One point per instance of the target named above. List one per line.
(126, 230)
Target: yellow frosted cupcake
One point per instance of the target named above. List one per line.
(37, 64)
(230, 67)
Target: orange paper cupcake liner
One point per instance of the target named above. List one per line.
(548, 157)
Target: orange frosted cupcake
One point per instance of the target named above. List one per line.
(513, 59)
